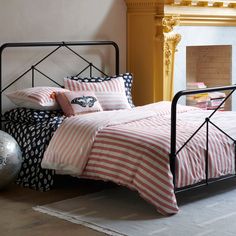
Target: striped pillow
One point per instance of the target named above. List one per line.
(40, 98)
(111, 94)
(127, 78)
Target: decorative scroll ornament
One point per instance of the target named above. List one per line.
(168, 56)
(165, 24)
(169, 22)
(171, 41)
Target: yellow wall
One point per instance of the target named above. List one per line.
(141, 53)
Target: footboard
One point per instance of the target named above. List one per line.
(173, 150)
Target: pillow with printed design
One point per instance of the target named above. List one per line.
(127, 79)
(41, 98)
(110, 93)
(74, 103)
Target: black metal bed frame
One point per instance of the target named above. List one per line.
(57, 45)
(91, 66)
(207, 122)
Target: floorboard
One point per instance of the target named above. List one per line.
(19, 219)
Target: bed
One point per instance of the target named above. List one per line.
(158, 149)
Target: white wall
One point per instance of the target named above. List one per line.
(64, 20)
(61, 20)
(199, 36)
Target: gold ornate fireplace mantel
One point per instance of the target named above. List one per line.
(152, 41)
(213, 13)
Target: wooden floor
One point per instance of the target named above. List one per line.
(18, 218)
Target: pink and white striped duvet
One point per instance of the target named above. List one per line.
(131, 148)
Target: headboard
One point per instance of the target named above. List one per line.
(55, 47)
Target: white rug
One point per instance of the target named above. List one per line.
(208, 211)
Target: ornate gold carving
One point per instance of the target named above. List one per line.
(186, 2)
(218, 4)
(168, 54)
(203, 3)
(215, 13)
(170, 47)
(169, 41)
(165, 24)
(145, 5)
(142, 4)
(232, 5)
(169, 22)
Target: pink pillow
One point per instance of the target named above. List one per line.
(73, 103)
(111, 94)
(36, 98)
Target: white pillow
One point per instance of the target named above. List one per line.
(40, 98)
(111, 94)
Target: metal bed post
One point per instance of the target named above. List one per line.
(174, 151)
(235, 157)
(1, 50)
(207, 149)
(1, 87)
(32, 69)
(90, 69)
(173, 136)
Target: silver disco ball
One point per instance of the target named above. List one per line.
(10, 159)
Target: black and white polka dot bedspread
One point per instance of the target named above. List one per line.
(33, 130)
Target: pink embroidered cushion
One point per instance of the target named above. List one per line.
(73, 103)
(110, 94)
(36, 98)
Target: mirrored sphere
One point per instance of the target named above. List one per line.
(10, 159)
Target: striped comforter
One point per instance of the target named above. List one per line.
(131, 148)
